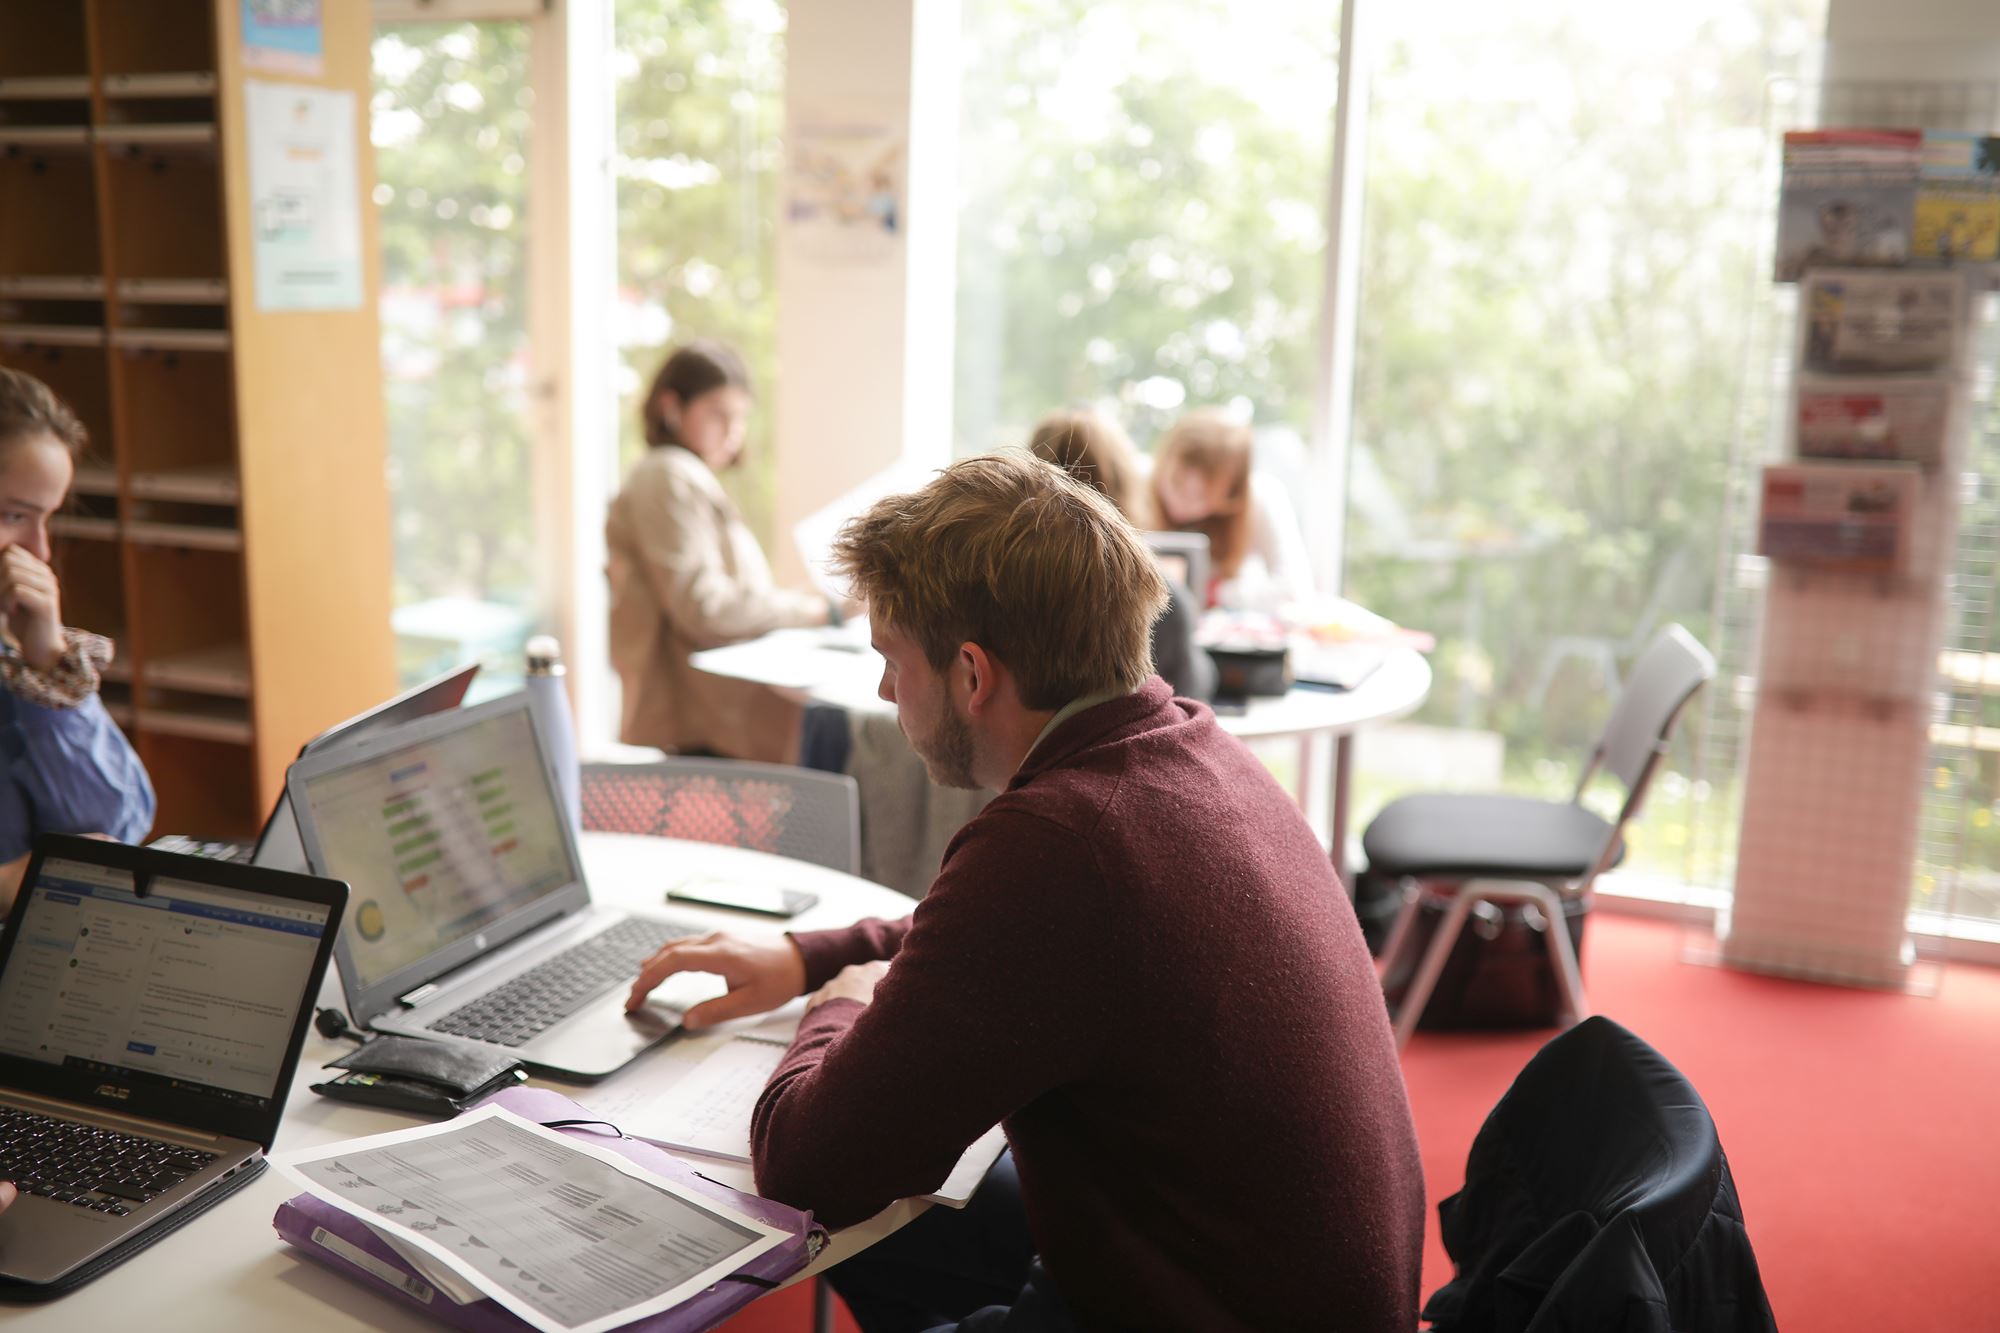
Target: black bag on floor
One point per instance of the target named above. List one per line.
(1499, 973)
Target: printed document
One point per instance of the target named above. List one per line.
(570, 1237)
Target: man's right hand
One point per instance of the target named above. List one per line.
(761, 974)
(7, 1194)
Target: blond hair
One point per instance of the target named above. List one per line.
(1218, 447)
(29, 408)
(1090, 447)
(1012, 554)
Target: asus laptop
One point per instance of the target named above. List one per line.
(152, 1007)
(472, 922)
(278, 845)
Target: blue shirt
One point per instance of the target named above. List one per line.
(67, 770)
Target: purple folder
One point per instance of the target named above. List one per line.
(346, 1244)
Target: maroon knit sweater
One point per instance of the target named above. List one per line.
(1137, 959)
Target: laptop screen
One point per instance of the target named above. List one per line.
(278, 846)
(439, 838)
(185, 988)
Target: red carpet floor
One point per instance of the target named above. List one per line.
(1863, 1129)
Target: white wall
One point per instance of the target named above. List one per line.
(865, 349)
(1942, 41)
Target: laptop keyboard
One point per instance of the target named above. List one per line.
(547, 993)
(93, 1168)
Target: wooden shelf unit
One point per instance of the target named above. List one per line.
(229, 525)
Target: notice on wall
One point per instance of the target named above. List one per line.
(844, 191)
(284, 37)
(304, 198)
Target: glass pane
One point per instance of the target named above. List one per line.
(451, 112)
(1565, 202)
(1143, 191)
(700, 89)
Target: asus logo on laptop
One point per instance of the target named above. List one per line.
(114, 1091)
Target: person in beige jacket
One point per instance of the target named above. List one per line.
(686, 573)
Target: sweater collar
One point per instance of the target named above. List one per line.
(1090, 723)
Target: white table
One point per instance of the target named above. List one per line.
(838, 667)
(228, 1269)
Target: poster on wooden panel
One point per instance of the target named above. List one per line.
(304, 198)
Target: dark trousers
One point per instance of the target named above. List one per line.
(972, 1269)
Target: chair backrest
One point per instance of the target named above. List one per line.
(796, 812)
(1664, 678)
(1598, 1189)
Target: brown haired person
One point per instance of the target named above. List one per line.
(687, 573)
(1203, 482)
(1136, 959)
(1090, 447)
(64, 765)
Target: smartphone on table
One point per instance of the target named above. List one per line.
(766, 899)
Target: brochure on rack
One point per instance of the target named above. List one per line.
(1879, 321)
(1887, 419)
(1848, 197)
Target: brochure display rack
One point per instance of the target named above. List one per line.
(1859, 754)
(229, 527)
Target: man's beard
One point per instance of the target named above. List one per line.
(947, 751)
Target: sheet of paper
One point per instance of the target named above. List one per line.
(570, 1237)
(815, 532)
(971, 1169)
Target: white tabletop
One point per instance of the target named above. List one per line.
(228, 1269)
(836, 667)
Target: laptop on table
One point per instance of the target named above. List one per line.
(152, 1007)
(278, 845)
(472, 922)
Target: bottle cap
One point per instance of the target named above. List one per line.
(544, 653)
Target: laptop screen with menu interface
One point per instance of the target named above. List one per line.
(278, 846)
(172, 988)
(451, 835)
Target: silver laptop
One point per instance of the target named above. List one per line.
(152, 1007)
(278, 845)
(471, 920)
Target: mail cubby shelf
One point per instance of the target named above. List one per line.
(155, 37)
(83, 527)
(33, 103)
(52, 287)
(187, 87)
(214, 486)
(117, 698)
(201, 716)
(43, 40)
(48, 207)
(165, 210)
(234, 445)
(178, 407)
(200, 783)
(92, 575)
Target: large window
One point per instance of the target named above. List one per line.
(1564, 204)
(451, 114)
(700, 89)
(1143, 210)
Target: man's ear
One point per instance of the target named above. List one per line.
(980, 674)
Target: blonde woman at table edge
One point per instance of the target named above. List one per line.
(687, 573)
(64, 765)
(1204, 480)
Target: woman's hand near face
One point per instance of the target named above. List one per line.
(31, 599)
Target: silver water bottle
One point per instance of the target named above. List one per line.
(551, 704)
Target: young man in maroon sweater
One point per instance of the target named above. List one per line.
(1137, 959)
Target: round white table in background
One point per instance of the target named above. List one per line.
(227, 1269)
(838, 667)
